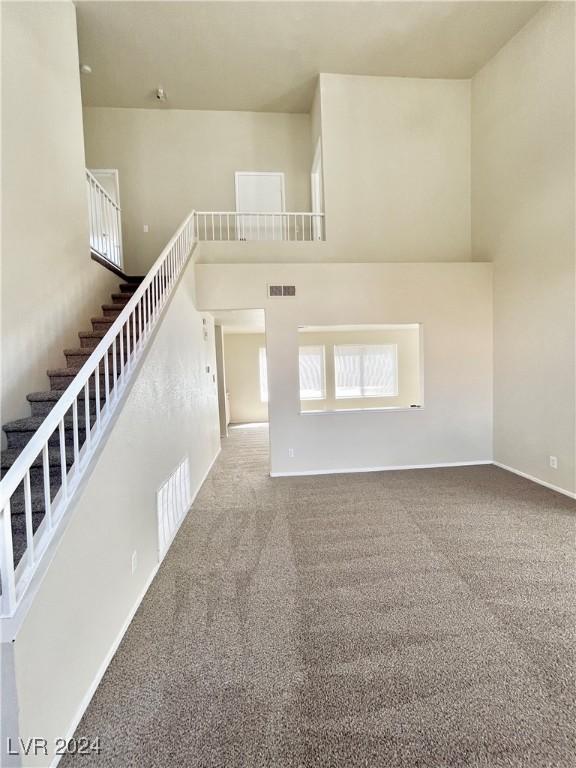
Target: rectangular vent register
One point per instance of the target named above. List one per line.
(279, 291)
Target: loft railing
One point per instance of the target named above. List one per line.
(61, 449)
(105, 223)
(235, 226)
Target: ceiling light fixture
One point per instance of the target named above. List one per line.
(86, 69)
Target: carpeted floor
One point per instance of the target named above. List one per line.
(416, 618)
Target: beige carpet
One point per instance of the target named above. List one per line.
(417, 618)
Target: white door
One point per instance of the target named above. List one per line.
(259, 194)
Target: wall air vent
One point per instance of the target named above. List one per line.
(173, 502)
(275, 291)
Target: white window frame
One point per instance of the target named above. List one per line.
(365, 396)
(322, 347)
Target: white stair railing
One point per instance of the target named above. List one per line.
(77, 423)
(105, 223)
(235, 226)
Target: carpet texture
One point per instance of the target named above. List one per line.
(421, 618)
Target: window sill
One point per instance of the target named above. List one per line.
(360, 410)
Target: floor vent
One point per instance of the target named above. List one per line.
(173, 502)
(281, 290)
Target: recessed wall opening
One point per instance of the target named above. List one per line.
(360, 367)
(243, 395)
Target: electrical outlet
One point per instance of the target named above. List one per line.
(554, 462)
(146, 228)
(290, 453)
(134, 562)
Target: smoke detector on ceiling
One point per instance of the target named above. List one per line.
(86, 69)
(160, 94)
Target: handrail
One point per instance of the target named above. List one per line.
(105, 222)
(258, 213)
(260, 225)
(101, 189)
(119, 350)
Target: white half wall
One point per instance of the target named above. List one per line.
(454, 304)
(524, 222)
(88, 593)
(50, 285)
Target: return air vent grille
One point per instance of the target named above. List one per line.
(276, 291)
(173, 502)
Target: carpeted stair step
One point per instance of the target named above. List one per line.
(75, 358)
(61, 378)
(105, 323)
(36, 496)
(19, 533)
(111, 310)
(91, 339)
(102, 323)
(9, 456)
(19, 528)
(41, 403)
(19, 432)
(131, 287)
(121, 298)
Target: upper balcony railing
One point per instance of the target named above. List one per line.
(105, 223)
(237, 227)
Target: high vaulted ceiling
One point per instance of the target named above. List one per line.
(265, 56)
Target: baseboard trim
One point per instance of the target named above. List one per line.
(118, 639)
(537, 480)
(388, 468)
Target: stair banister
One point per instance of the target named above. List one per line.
(138, 317)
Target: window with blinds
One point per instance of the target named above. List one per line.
(366, 370)
(312, 373)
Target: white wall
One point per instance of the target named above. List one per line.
(524, 221)
(242, 362)
(50, 286)
(171, 161)
(454, 304)
(88, 592)
(396, 157)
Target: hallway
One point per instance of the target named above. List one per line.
(412, 618)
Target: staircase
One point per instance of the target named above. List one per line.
(50, 452)
(18, 433)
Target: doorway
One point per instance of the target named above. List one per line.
(108, 179)
(260, 193)
(241, 367)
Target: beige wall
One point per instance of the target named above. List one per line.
(88, 592)
(171, 161)
(453, 302)
(50, 286)
(407, 343)
(241, 358)
(396, 167)
(524, 203)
